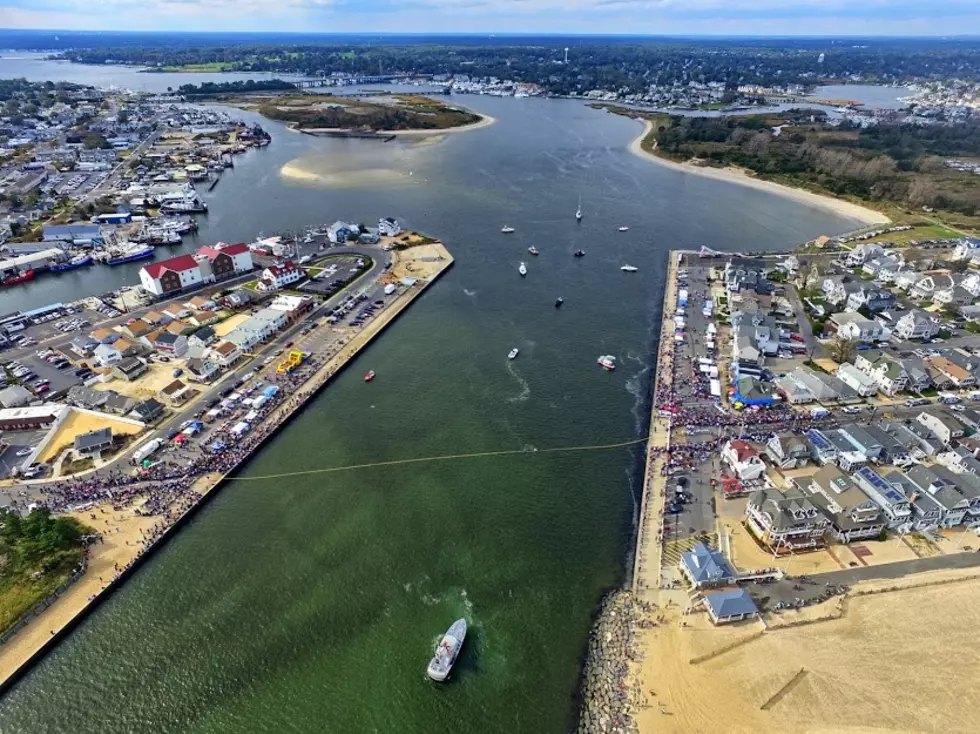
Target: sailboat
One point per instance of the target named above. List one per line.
(578, 212)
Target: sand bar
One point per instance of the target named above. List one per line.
(734, 175)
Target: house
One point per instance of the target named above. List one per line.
(369, 236)
(105, 336)
(957, 296)
(941, 423)
(930, 284)
(176, 393)
(226, 353)
(824, 450)
(916, 324)
(201, 303)
(952, 373)
(203, 337)
(743, 459)
(862, 253)
(128, 369)
(157, 318)
(107, 355)
(851, 376)
(227, 260)
(875, 299)
(892, 500)
(389, 227)
(258, 328)
(852, 515)
(138, 328)
(750, 391)
(904, 438)
(785, 521)
(887, 372)
(105, 401)
(953, 502)
(919, 378)
(892, 450)
(93, 442)
(906, 279)
(202, 369)
(927, 442)
(971, 284)
(339, 232)
(15, 396)
(703, 566)
(809, 379)
(926, 512)
(283, 275)
(238, 299)
(788, 451)
(792, 391)
(728, 606)
(746, 274)
(293, 306)
(148, 411)
(967, 248)
(855, 327)
(883, 268)
(170, 343)
(83, 345)
(863, 442)
(170, 276)
(837, 288)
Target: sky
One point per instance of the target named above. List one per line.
(655, 17)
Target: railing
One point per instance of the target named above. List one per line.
(29, 615)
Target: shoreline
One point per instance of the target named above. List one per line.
(484, 121)
(45, 631)
(732, 175)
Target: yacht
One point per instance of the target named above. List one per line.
(512, 354)
(607, 362)
(534, 250)
(522, 270)
(447, 651)
(578, 212)
(629, 269)
(624, 229)
(506, 229)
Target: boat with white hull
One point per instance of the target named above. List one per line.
(447, 651)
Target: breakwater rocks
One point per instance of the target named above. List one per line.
(606, 695)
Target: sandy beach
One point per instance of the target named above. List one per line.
(734, 175)
(485, 121)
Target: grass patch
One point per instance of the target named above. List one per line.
(924, 232)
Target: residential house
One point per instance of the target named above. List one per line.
(971, 284)
(862, 253)
(203, 337)
(743, 459)
(169, 343)
(226, 353)
(281, 276)
(851, 514)
(837, 288)
(967, 248)
(389, 227)
(952, 373)
(742, 273)
(788, 451)
(339, 232)
(810, 380)
(824, 450)
(848, 455)
(83, 345)
(904, 438)
(927, 442)
(785, 521)
(201, 303)
(941, 423)
(751, 391)
(954, 297)
(105, 401)
(851, 376)
(137, 328)
(892, 500)
(863, 442)
(931, 284)
(883, 268)
(855, 327)
(105, 336)
(238, 299)
(705, 567)
(969, 417)
(875, 299)
(886, 370)
(170, 276)
(107, 355)
(907, 279)
(732, 605)
(15, 396)
(93, 442)
(128, 369)
(916, 324)
(954, 504)
(293, 306)
(792, 391)
(258, 328)
(202, 369)
(892, 451)
(149, 411)
(918, 375)
(176, 393)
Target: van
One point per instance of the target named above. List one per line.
(819, 412)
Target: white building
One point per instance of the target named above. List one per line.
(258, 328)
(389, 227)
(916, 324)
(855, 327)
(854, 378)
(170, 276)
(280, 276)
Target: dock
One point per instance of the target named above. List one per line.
(53, 624)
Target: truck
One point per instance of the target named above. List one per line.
(390, 289)
(147, 449)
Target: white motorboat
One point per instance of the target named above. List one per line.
(607, 362)
(506, 229)
(624, 229)
(447, 651)
(578, 212)
(512, 354)
(629, 269)
(522, 270)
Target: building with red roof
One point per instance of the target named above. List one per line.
(170, 276)
(227, 260)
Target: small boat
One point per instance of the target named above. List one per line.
(369, 376)
(512, 354)
(522, 269)
(506, 229)
(20, 277)
(578, 212)
(624, 229)
(607, 362)
(629, 269)
(447, 651)
(580, 253)
(559, 302)
(534, 250)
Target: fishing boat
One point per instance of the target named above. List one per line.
(447, 651)
(580, 253)
(607, 362)
(578, 212)
(20, 277)
(79, 261)
(629, 269)
(559, 302)
(512, 354)
(522, 269)
(118, 255)
(534, 250)
(369, 376)
(506, 229)
(624, 229)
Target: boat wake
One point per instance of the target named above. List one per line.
(525, 387)
(635, 386)
(456, 598)
(470, 294)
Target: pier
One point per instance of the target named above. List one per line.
(30, 644)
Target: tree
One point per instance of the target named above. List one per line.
(123, 117)
(842, 350)
(95, 140)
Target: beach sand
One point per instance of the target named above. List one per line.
(733, 175)
(485, 121)
(881, 667)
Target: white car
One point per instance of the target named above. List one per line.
(25, 452)
(957, 408)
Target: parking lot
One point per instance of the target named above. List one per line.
(18, 442)
(336, 274)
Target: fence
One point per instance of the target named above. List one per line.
(29, 615)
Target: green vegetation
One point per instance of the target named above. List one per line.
(408, 112)
(921, 231)
(212, 89)
(38, 553)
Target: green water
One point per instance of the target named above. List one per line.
(312, 604)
